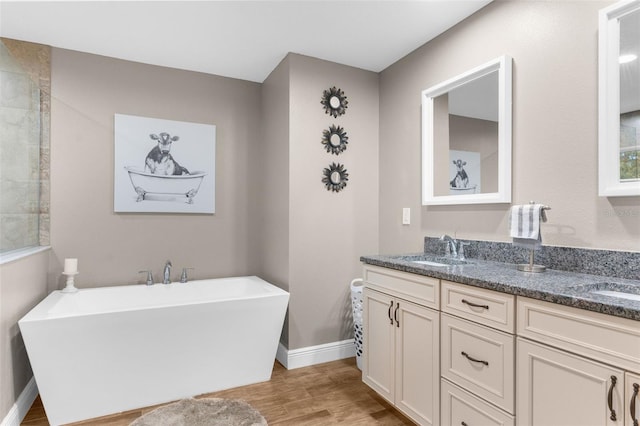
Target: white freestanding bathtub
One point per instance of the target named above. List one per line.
(106, 350)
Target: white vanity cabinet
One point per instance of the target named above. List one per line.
(574, 367)
(401, 341)
(491, 358)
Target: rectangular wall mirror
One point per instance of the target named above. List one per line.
(466, 137)
(619, 100)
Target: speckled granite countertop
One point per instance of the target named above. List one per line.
(565, 288)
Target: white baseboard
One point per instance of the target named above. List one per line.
(22, 405)
(312, 355)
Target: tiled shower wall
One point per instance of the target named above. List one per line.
(25, 89)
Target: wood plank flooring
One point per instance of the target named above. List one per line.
(323, 394)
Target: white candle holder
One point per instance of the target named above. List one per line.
(70, 288)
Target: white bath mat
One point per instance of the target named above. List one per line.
(203, 412)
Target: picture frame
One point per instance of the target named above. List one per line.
(163, 166)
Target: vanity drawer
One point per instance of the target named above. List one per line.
(412, 287)
(487, 307)
(459, 407)
(606, 338)
(479, 359)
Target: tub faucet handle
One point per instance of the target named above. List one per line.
(149, 276)
(183, 276)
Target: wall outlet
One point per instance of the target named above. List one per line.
(406, 216)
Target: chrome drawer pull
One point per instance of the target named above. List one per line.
(474, 305)
(473, 359)
(632, 404)
(614, 379)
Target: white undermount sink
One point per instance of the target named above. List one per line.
(429, 263)
(617, 290)
(619, 294)
(437, 261)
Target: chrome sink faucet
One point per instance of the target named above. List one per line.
(452, 243)
(167, 273)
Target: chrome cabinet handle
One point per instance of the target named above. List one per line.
(474, 305)
(395, 315)
(464, 354)
(614, 379)
(632, 408)
(389, 312)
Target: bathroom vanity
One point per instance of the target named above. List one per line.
(477, 342)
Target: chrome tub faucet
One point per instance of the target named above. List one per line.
(167, 273)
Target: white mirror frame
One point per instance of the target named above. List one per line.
(609, 184)
(503, 195)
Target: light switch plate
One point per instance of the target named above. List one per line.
(406, 216)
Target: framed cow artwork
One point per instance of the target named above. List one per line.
(163, 166)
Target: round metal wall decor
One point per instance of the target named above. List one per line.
(335, 177)
(334, 101)
(335, 139)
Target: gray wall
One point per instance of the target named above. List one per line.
(270, 169)
(554, 49)
(23, 283)
(329, 231)
(87, 90)
(310, 238)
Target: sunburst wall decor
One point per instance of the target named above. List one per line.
(334, 102)
(335, 139)
(335, 177)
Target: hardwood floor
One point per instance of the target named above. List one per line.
(323, 394)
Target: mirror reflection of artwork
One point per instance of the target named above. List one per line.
(464, 171)
(163, 166)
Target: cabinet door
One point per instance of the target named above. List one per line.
(558, 388)
(632, 399)
(378, 342)
(417, 362)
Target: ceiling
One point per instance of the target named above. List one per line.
(238, 39)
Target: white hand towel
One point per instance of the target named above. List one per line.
(525, 226)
